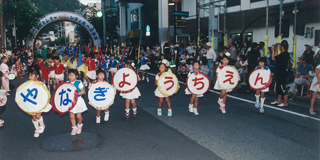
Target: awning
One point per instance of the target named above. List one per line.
(133, 34)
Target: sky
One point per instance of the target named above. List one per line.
(89, 1)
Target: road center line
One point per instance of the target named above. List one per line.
(265, 105)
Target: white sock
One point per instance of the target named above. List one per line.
(134, 109)
(190, 105)
(127, 110)
(36, 124)
(169, 110)
(159, 109)
(257, 98)
(107, 113)
(220, 99)
(262, 101)
(41, 123)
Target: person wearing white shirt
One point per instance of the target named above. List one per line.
(211, 57)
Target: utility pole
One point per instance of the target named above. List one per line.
(295, 36)
(198, 19)
(280, 24)
(212, 23)
(175, 24)
(103, 7)
(1, 28)
(267, 27)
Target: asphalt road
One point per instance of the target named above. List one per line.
(241, 133)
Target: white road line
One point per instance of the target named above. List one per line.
(265, 105)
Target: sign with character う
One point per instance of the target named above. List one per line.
(168, 84)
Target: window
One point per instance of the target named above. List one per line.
(231, 3)
(252, 1)
(134, 18)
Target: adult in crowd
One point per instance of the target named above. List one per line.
(308, 53)
(282, 62)
(316, 57)
(302, 75)
(211, 58)
(253, 58)
(232, 51)
(261, 48)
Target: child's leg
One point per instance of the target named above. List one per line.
(127, 104)
(262, 94)
(98, 113)
(262, 99)
(146, 73)
(107, 110)
(196, 101)
(57, 81)
(314, 97)
(222, 94)
(160, 102)
(72, 120)
(225, 98)
(168, 102)
(192, 99)
(79, 117)
(133, 103)
(257, 95)
(87, 78)
(106, 115)
(142, 74)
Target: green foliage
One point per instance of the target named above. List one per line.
(97, 22)
(23, 14)
(49, 6)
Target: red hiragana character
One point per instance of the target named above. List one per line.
(169, 81)
(122, 83)
(196, 83)
(230, 75)
(259, 78)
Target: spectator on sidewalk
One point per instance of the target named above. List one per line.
(301, 77)
(211, 58)
(253, 58)
(232, 51)
(308, 53)
(316, 57)
(282, 62)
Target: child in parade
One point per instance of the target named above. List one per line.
(223, 95)
(262, 65)
(5, 70)
(18, 69)
(105, 64)
(144, 66)
(101, 76)
(80, 106)
(113, 65)
(194, 100)
(314, 89)
(91, 65)
(2, 108)
(59, 70)
(131, 96)
(37, 119)
(162, 69)
(51, 71)
(39, 63)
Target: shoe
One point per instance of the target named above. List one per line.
(159, 112)
(291, 99)
(85, 83)
(41, 129)
(106, 116)
(169, 113)
(134, 112)
(74, 131)
(257, 105)
(261, 110)
(312, 112)
(142, 79)
(276, 102)
(8, 94)
(282, 105)
(195, 111)
(98, 119)
(223, 109)
(79, 129)
(147, 79)
(127, 115)
(307, 96)
(191, 108)
(36, 134)
(221, 104)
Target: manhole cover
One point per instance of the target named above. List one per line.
(67, 143)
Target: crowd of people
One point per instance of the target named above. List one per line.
(50, 67)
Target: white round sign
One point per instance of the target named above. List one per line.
(101, 95)
(260, 79)
(125, 80)
(228, 77)
(198, 83)
(168, 84)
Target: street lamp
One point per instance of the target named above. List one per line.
(99, 14)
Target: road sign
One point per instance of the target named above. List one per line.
(148, 30)
(181, 13)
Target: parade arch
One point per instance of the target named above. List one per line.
(65, 16)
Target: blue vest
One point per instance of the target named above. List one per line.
(76, 83)
(266, 68)
(143, 60)
(103, 64)
(113, 63)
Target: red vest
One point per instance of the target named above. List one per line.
(58, 69)
(51, 68)
(91, 65)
